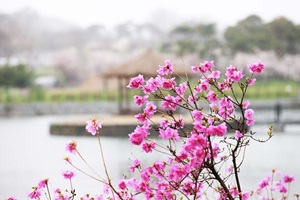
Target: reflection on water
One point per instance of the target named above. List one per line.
(28, 154)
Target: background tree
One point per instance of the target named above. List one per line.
(247, 36)
(200, 38)
(285, 36)
(250, 34)
(18, 76)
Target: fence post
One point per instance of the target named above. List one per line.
(278, 111)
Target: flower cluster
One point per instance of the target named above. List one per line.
(194, 138)
(190, 170)
(268, 186)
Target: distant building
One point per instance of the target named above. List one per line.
(48, 81)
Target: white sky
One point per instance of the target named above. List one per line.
(112, 12)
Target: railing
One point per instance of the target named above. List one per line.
(277, 113)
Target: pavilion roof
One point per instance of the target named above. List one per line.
(145, 64)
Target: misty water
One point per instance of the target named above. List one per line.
(28, 153)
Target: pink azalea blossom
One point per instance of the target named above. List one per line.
(238, 135)
(233, 74)
(43, 183)
(197, 115)
(136, 82)
(135, 165)
(252, 81)
(138, 136)
(169, 133)
(219, 130)
(169, 103)
(203, 67)
(256, 68)
(122, 184)
(168, 84)
(288, 179)
(212, 96)
(150, 109)
(225, 85)
(71, 147)
(179, 123)
(226, 107)
(68, 174)
(214, 75)
(140, 100)
(148, 146)
(164, 123)
(203, 86)
(11, 198)
(264, 182)
(181, 89)
(166, 69)
(35, 194)
(246, 104)
(141, 117)
(249, 113)
(93, 125)
(151, 85)
(282, 189)
(59, 195)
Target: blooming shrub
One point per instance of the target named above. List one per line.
(197, 150)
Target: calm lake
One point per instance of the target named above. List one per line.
(28, 153)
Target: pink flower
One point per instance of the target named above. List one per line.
(140, 100)
(219, 130)
(141, 117)
(71, 147)
(93, 126)
(245, 195)
(203, 86)
(234, 191)
(197, 115)
(122, 184)
(150, 109)
(169, 133)
(203, 67)
(282, 189)
(212, 96)
(35, 194)
(12, 198)
(256, 68)
(59, 195)
(147, 147)
(169, 103)
(138, 136)
(136, 82)
(226, 107)
(225, 85)
(252, 81)
(214, 75)
(249, 113)
(288, 179)
(43, 183)
(234, 74)
(68, 174)
(264, 182)
(238, 135)
(181, 89)
(151, 85)
(168, 84)
(246, 104)
(135, 165)
(165, 69)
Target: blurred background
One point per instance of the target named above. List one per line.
(62, 59)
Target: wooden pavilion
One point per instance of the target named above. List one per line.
(145, 64)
